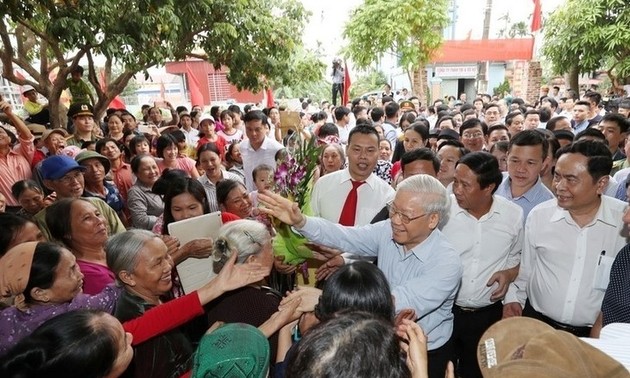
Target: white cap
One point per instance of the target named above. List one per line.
(206, 117)
(27, 88)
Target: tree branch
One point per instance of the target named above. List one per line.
(92, 76)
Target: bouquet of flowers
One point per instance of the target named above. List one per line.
(294, 180)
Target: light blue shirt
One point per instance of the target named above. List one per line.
(579, 127)
(537, 194)
(426, 278)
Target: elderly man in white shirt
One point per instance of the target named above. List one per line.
(570, 243)
(487, 231)
(258, 148)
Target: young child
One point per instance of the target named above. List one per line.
(79, 89)
(263, 179)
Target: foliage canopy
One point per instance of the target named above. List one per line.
(255, 39)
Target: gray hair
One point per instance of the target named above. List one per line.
(122, 250)
(246, 236)
(434, 196)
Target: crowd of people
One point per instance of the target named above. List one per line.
(434, 228)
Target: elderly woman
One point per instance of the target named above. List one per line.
(144, 206)
(143, 267)
(78, 224)
(46, 282)
(250, 304)
(30, 196)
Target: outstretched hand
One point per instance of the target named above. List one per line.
(281, 208)
(414, 344)
(233, 276)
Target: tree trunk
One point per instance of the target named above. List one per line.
(482, 70)
(419, 84)
(573, 79)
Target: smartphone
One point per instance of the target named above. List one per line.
(145, 129)
(161, 104)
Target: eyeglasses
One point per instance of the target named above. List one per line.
(405, 219)
(472, 136)
(69, 178)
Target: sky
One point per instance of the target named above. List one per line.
(329, 16)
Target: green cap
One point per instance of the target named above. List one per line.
(234, 350)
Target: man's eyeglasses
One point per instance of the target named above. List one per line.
(405, 219)
(472, 136)
(70, 177)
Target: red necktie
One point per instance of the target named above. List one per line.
(349, 211)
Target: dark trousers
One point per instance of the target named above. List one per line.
(337, 89)
(531, 312)
(438, 359)
(468, 327)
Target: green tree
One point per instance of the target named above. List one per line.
(372, 80)
(306, 78)
(412, 29)
(255, 39)
(587, 35)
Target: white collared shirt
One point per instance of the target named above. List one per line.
(330, 193)
(266, 154)
(192, 136)
(560, 259)
(486, 245)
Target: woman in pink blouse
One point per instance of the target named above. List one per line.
(168, 152)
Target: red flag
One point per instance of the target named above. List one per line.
(270, 101)
(345, 96)
(537, 16)
(117, 102)
(196, 98)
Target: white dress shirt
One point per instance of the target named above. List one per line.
(486, 245)
(266, 154)
(330, 193)
(560, 259)
(192, 136)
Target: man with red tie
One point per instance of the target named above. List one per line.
(354, 195)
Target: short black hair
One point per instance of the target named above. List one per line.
(599, 157)
(377, 114)
(486, 168)
(563, 135)
(498, 127)
(253, 115)
(510, 117)
(621, 121)
(365, 130)
(473, 122)
(591, 132)
(391, 109)
(593, 97)
(420, 154)
(340, 112)
(327, 129)
(530, 138)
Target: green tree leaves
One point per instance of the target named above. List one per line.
(589, 35)
(257, 40)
